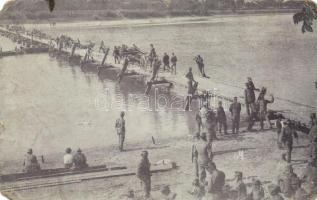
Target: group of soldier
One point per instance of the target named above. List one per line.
(76, 161)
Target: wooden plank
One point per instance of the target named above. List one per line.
(82, 177)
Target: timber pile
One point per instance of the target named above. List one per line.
(28, 184)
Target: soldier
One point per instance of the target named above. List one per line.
(174, 62)
(279, 126)
(288, 182)
(274, 191)
(221, 118)
(102, 46)
(30, 163)
(312, 119)
(215, 182)
(152, 55)
(211, 124)
(166, 62)
(201, 154)
(239, 187)
(313, 139)
(257, 192)
(190, 81)
(263, 114)
(287, 139)
(249, 97)
(167, 194)
(198, 190)
(310, 177)
(156, 67)
(68, 158)
(235, 110)
(201, 66)
(144, 174)
(80, 160)
(116, 55)
(120, 127)
(251, 84)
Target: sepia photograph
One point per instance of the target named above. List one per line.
(158, 100)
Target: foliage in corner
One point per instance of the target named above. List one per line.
(51, 4)
(306, 15)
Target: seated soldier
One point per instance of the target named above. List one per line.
(30, 163)
(68, 158)
(80, 160)
(288, 182)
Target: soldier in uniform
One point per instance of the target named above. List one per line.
(201, 154)
(80, 160)
(249, 97)
(167, 194)
(152, 55)
(235, 110)
(144, 174)
(313, 139)
(257, 192)
(279, 130)
(221, 118)
(239, 187)
(262, 103)
(215, 182)
(174, 62)
(274, 193)
(287, 139)
(166, 62)
(288, 182)
(30, 163)
(310, 177)
(120, 127)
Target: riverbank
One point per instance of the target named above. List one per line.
(254, 153)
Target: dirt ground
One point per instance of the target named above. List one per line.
(254, 153)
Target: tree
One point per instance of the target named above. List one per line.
(307, 15)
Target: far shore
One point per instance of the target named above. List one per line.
(103, 15)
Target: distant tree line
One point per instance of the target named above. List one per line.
(37, 9)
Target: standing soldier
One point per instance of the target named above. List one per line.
(201, 66)
(235, 110)
(190, 78)
(201, 154)
(313, 139)
(152, 55)
(156, 67)
(279, 127)
(120, 126)
(287, 139)
(173, 61)
(116, 55)
(166, 61)
(144, 174)
(221, 118)
(249, 97)
(263, 114)
(250, 82)
(102, 46)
